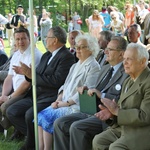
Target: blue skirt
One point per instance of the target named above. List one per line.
(47, 117)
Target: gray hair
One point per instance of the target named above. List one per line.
(137, 27)
(60, 34)
(107, 35)
(91, 41)
(122, 43)
(141, 51)
(76, 31)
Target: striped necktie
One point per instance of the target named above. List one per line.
(106, 79)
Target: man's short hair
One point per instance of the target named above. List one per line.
(122, 43)
(107, 35)
(22, 29)
(60, 34)
(19, 6)
(141, 51)
(137, 27)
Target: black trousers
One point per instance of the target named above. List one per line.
(21, 115)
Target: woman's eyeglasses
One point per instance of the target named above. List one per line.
(81, 47)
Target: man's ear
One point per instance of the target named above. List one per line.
(121, 53)
(139, 34)
(56, 40)
(143, 60)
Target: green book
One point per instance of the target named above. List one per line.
(89, 104)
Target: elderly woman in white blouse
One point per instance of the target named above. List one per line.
(84, 73)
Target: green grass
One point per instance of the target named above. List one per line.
(5, 144)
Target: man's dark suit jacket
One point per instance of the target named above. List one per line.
(3, 57)
(76, 59)
(101, 58)
(113, 88)
(50, 77)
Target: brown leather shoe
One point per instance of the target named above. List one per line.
(17, 135)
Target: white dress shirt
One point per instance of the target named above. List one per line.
(26, 58)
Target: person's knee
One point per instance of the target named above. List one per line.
(29, 116)
(57, 124)
(12, 112)
(96, 142)
(95, 139)
(60, 124)
(112, 146)
(3, 108)
(116, 146)
(74, 128)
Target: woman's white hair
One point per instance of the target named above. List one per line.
(91, 41)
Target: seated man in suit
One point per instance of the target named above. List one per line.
(50, 75)
(71, 39)
(134, 33)
(130, 118)
(103, 40)
(77, 130)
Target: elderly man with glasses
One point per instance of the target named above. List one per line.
(130, 118)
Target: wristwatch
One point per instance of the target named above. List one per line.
(9, 97)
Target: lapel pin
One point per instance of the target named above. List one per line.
(118, 87)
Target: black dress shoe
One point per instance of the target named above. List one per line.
(17, 135)
(1, 129)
